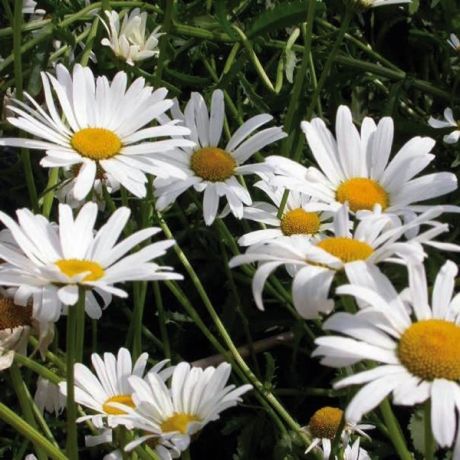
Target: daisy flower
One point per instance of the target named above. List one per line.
(454, 42)
(210, 167)
(354, 452)
(128, 40)
(100, 124)
(301, 216)
(323, 426)
(49, 262)
(355, 168)
(195, 397)
(16, 325)
(448, 122)
(416, 346)
(48, 397)
(314, 264)
(109, 385)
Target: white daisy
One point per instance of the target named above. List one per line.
(49, 262)
(323, 426)
(448, 122)
(48, 397)
(301, 216)
(454, 42)
(416, 345)
(109, 385)
(104, 126)
(211, 168)
(356, 167)
(195, 397)
(354, 452)
(314, 264)
(128, 40)
(16, 325)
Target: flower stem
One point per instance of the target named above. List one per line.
(162, 319)
(430, 445)
(25, 403)
(29, 432)
(394, 430)
(19, 82)
(71, 347)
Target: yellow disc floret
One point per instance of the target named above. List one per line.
(213, 164)
(346, 249)
(178, 422)
(325, 422)
(121, 399)
(12, 315)
(96, 143)
(300, 222)
(362, 193)
(73, 267)
(430, 349)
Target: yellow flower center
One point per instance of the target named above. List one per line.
(325, 422)
(362, 193)
(430, 349)
(300, 222)
(121, 399)
(96, 143)
(73, 267)
(346, 249)
(213, 164)
(12, 315)
(178, 422)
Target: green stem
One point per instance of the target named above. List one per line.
(19, 83)
(394, 431)
(140, 290)
(49, 196)
(72, 340)
(330, 60)
(166, 28)
(29, 432)
(162, 319)
(25, 402)
(430, 445)
(37, 368)
(89, 43)
(80, 326)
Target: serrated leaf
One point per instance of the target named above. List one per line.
(270, 368)
(417, 430)
(283, 15)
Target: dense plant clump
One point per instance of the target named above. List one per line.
(228, 229)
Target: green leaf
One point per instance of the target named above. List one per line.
(285, 14)
(417, 430)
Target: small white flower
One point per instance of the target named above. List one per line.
(356, 169)
(314, 263)
(213, 169)
(48, 397)
(416, 345)
(301, 216)
(29, 7)
(454, 42)
(354, 452)
(448, 122)
(48, 262)
(102, 125)
(110, 385)
(173, 414)
(323, 426)
(128, 40)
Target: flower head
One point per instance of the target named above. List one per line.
(129, 40)
(109, 385)
(313, 263)
(211, 167)
(355, 168)
(448, 122)
(195, 397)
(101, 125)
(454, 42)
(414, 344)
(49, 262)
